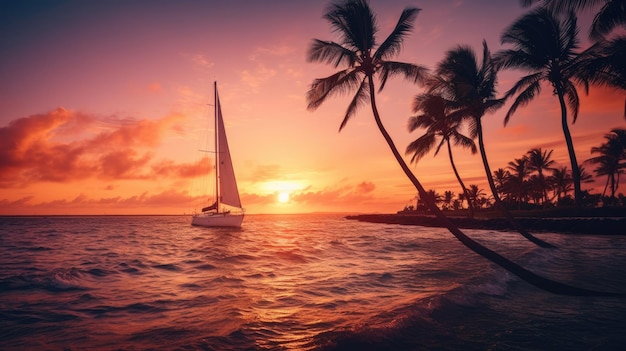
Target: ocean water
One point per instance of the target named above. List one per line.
(296, 282)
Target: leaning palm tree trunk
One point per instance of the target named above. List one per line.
(521, 272)
(458, 177)
(494, 191)
(570, 150)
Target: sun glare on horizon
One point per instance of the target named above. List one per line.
(283, 197)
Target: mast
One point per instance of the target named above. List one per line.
(217, 151)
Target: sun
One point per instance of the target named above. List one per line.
(283, 197)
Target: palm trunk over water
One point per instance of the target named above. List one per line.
(494, 191)
(458, 177)
(526, 275)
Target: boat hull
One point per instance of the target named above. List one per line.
(217, 220)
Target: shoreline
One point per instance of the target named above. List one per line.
(570, 225)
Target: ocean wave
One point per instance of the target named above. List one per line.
(58, 280)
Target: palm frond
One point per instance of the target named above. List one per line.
(419, 121)
(392, 45)
(411, 72)
(355, 22)
(338, 83)
(510, 58)
(463, 141)
(361, 97)
(568, 37)
(523, 99)
(331, 53)
(611, 15)
(524, 83)
(441, 143)
(493, 105)
(420, 146)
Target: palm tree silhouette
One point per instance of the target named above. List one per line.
(356, 24)
(604, 64)
(438, 123)
(475, 193)
(501, 181)
(611, 15)
(472, 87)
(545, 46)
(561, 180)
(539, 160)
(609, 162)
(518, 170)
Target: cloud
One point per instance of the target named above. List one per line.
(142, 203)
(202, 62)
(273, 51)
(327, 197)
(168, 168)
(63, 145)
(258, 76)
(365, 187)
(263, 173)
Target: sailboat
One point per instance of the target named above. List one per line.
(226, 210)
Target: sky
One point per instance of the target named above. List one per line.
(104, 106)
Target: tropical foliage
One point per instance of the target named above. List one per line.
(435, 118)
(470, 88)
(611, 161)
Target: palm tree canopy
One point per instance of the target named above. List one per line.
(611, 153)
(519, 168)
(612, 13)
(472, 86)
(539, 160)
(544, 45)
(604, 63)
(436, 121)
(357, 49)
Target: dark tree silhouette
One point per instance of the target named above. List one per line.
(539, 160)
(472, 87)
(611, 158)
(437, 122)
(354, 21)
(545, 46)
(612, 13)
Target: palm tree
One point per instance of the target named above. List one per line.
(609, 162)
(606, 64)
(518, 173)
(448, 198)
(472, 87)
(539, 160)
(561, 182)
(611, 15)
(501, 179)
(438, 123)
(475, 194)
(356, 24)
(545, 46)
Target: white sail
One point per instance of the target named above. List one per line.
(229, 195)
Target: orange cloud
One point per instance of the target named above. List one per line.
(143, 203)
(46, 147)
(365, 187)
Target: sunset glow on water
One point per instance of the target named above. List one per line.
(294, 282)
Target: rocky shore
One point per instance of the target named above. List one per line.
(573, 225)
